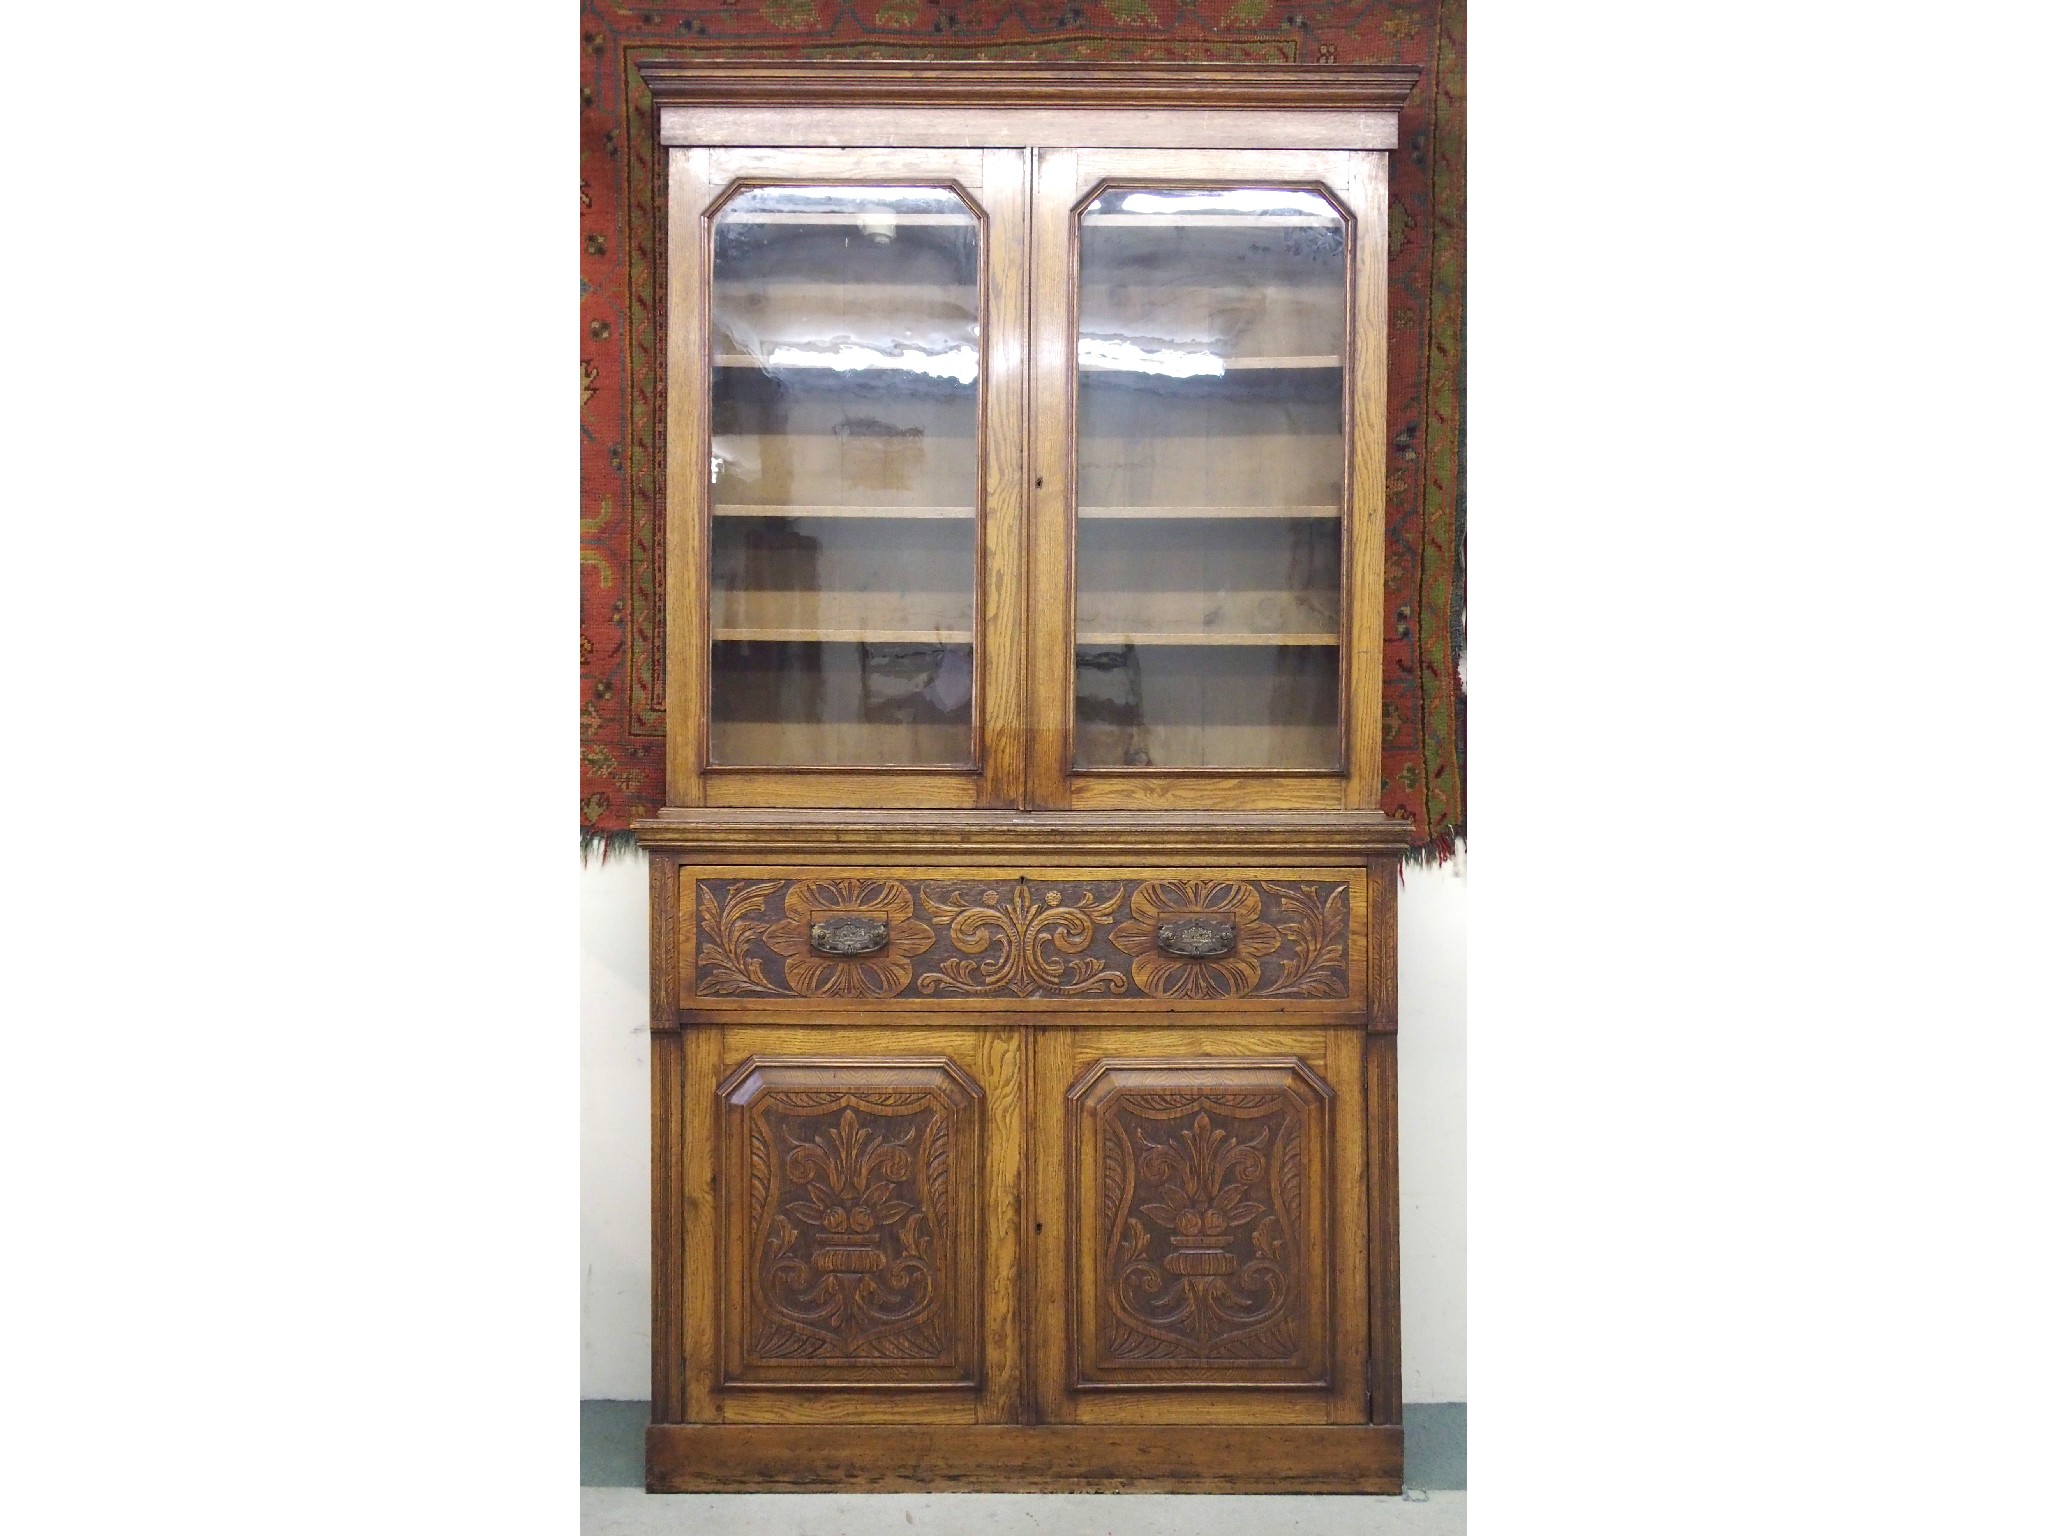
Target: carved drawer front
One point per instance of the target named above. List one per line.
(849, 1214)
(1158, 939)
(1200, 1212)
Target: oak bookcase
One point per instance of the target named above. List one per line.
(1023, 918)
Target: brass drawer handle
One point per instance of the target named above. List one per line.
(1199, 938)
(850, 935)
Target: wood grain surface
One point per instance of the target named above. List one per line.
(876, 1458)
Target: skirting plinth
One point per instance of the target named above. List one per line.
(1019, 1458)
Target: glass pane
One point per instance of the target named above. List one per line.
(846, 342)
(1210, 479)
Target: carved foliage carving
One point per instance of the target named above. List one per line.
(853, 1242)
(1035, 945)
(1202, 1224)
(1031, 939)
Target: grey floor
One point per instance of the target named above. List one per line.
(615, 1505)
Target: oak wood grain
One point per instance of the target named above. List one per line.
(770, 834)
(666, 1072)
(1365, 191)
(998, 85)
(1228, 1458)
(1004, 663)
(1222, 128)
(1383, 1232)
(1049, 748)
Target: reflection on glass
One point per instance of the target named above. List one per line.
(1210, 479)
(846, 362)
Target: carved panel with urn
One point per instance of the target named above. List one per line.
(850, 1220)
(1200, 1204)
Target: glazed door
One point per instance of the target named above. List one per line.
(1207, 478)
(845, 332)
(1198, 1236)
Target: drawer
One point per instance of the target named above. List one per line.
(1159, 940)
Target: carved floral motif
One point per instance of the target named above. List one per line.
(1163, 975)
(883, 973)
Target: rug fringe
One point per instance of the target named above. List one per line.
(606, 844)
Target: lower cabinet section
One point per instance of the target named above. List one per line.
(1023, 1253)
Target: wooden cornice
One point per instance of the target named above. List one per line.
(973, 837)
(1001, 85)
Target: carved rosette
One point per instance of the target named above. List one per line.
(814, 974)
(1159, 974)
(853, 1239)
(1202, 1227)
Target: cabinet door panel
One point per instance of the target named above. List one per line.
(850, 1243)
(1213, 519)
(1197, 1232)
(1200, 1201)
(845, 422)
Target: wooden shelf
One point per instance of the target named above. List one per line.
(1201, 637)
(1132, 513)
(769, 745)
(823, 363)
(851, 636)
(1249, 222)
(832, 220)
(742, 509)
(1230, 365)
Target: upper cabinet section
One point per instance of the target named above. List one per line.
(1022, 451)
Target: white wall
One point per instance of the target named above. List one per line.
(615, 1129)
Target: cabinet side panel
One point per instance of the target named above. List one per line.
(1382, 946)
(1345, 1066)
(1383, 1232)
(666, 1060)
(691, 1167)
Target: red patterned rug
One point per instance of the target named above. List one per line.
(622, 581)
